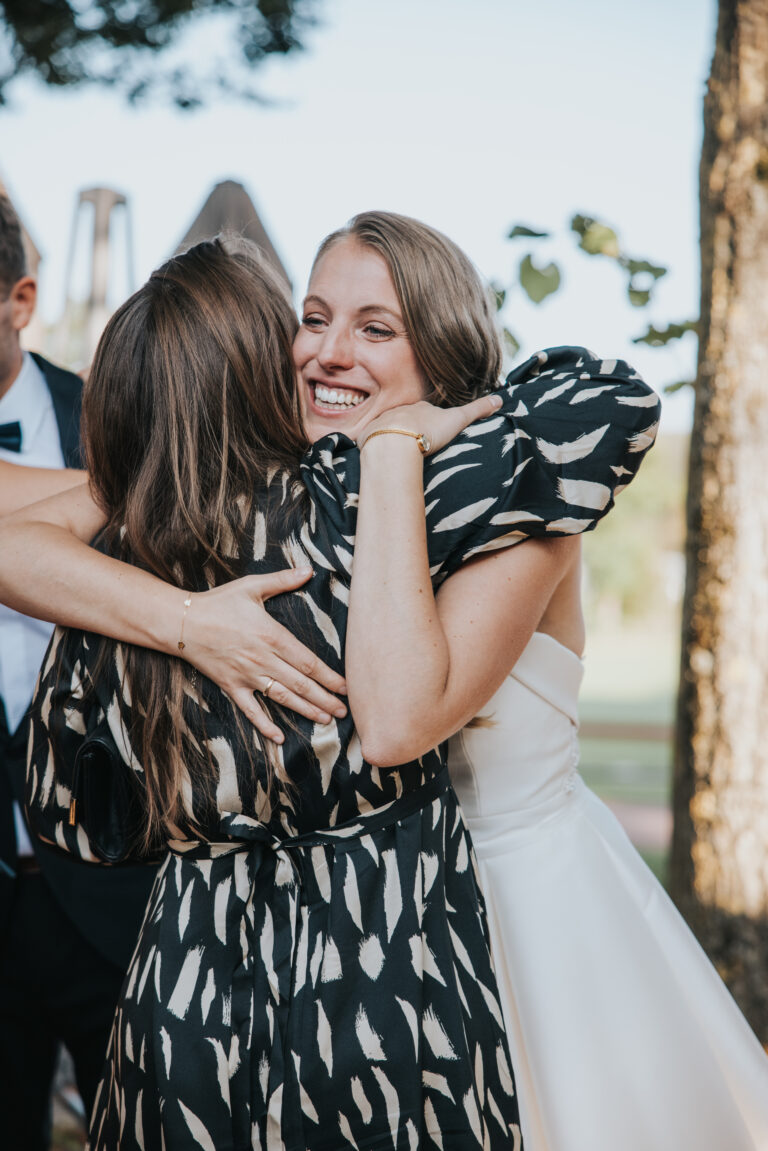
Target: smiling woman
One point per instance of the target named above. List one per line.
(353, 342)
(395, 313)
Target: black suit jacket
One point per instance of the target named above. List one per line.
(105, 903)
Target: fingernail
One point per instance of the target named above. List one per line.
(496, 401)
(323, 717)
(304, 571)
(340, 711)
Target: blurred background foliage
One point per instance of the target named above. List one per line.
(634, 564)
(137, 47)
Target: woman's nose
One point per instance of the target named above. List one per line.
(335, 349)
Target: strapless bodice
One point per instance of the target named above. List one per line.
(525, 753)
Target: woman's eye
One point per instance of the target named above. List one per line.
(378, 331)
(312, 321)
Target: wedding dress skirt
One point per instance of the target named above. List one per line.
(623, 1036)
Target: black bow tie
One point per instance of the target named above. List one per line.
(10, 436)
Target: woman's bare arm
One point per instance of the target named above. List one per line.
(20, 486)
(420, 667)
(48, 570)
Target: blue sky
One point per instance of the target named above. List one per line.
(471, 114)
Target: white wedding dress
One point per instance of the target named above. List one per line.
(623, 1036)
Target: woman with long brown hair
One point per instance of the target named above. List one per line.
(246, 1019)
(314, 967)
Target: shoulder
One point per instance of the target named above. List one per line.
(60, 381)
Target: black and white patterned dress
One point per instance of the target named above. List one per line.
(319, 978)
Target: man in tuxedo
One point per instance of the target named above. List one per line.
(67, 928)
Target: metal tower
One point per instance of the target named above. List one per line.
(84, 319)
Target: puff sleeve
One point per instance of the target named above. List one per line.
(570, 435)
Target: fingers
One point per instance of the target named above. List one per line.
(275, 583)
(255, 714)
(279, 693)
(307, 665)
(315, 702)
(481, 408)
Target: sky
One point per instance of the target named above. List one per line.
(470, 114)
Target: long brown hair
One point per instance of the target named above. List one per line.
(446, 308)
(189, 409)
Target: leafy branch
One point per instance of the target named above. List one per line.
(117, 43)
(595, 238)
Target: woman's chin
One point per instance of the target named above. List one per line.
(319, 426)
(319, 423)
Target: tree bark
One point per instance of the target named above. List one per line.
(719, 862)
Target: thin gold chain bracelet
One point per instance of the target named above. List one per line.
(187, 605)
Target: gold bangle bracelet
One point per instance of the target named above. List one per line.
(187, 604)
(421, 439)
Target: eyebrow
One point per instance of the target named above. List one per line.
(364, 311)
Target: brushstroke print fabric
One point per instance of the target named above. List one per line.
(314, 970)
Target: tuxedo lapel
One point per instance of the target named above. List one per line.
(66, 392)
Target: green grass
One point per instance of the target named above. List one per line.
(657, 861)
(629, 770)
(655, 709)
(630, 678)
(633, 667)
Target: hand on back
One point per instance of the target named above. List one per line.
(231, 638)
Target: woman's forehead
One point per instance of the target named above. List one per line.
(353, 272)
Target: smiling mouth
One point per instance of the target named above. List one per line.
(335, 399)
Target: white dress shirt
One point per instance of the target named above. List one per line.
(23, 640)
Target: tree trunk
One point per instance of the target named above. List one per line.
(719, 864)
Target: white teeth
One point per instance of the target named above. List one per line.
(341, 398)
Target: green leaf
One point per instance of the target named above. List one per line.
(596, 239)
(638, 297)
(658, 337)
(579, 224)
(638, 267)
(523, 230)
(511, 343)
(538, 283)
(499, 295)
(600, 240)
(670, 388)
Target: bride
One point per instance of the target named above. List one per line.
(622, 1035)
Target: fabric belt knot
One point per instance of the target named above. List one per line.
(286, 866)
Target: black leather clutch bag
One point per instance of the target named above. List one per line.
(107, 799)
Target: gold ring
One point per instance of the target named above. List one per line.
(268, 688)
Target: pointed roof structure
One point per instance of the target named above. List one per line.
(229, 207)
